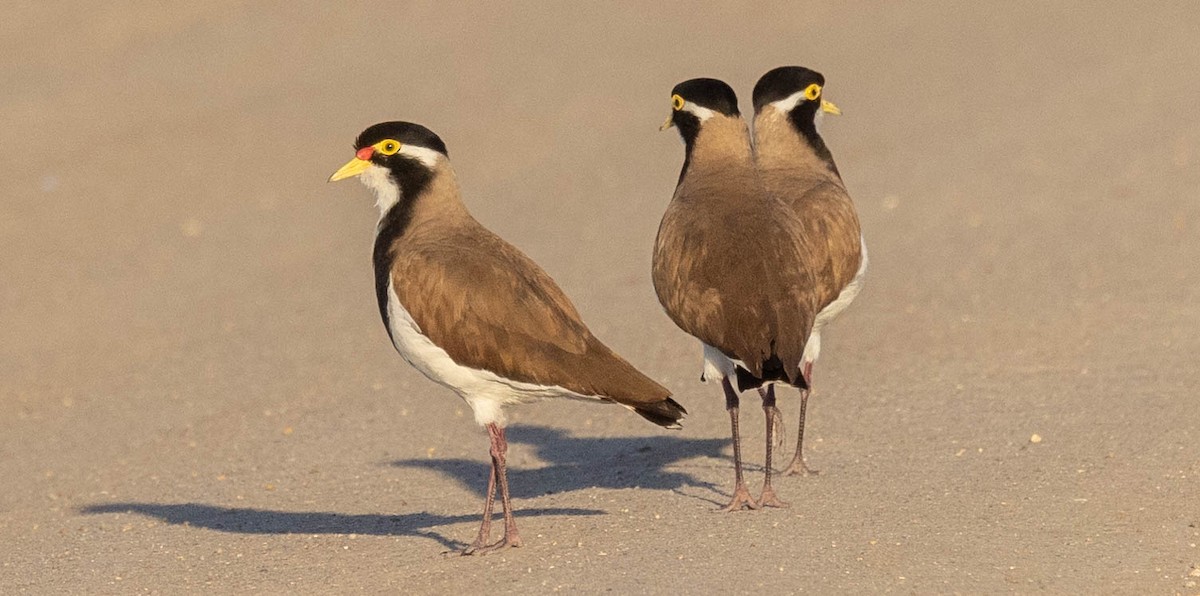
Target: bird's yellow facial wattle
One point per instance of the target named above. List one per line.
(676, 105)
(387, 146)
(362, 159)
(813, 93)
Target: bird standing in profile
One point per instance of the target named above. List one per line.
(727, 266)
(797, 168)
(473, 313)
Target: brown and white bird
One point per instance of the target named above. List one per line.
(797, 167)
(473, 313)
(727, 265)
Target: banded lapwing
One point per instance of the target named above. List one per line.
(472, 312)
(726, 264)
(797, 167)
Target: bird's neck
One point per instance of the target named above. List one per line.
(420, 196)
(722, 142)
(782, 142)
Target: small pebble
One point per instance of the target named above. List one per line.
(1036, 438)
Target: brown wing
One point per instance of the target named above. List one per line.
(795, 172)
(727, 271)
(490, 307)
(830, 224)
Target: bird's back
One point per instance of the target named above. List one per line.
(808, 182)
(725, 270)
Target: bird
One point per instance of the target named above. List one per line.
(727, 267)
(797, 167)
(473, 313)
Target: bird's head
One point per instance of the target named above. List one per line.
(695, 101)
(795, 91)
(394, 158)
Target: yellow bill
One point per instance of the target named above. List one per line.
(352, 168)
(827, 106)
(670, 121)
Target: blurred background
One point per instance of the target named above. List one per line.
(195, 388)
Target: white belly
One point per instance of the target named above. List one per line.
(812, 349)
(486, 392)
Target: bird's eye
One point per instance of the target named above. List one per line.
(676, 102)
(389, 147)
(812, 92)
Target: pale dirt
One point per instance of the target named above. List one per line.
(197, 396)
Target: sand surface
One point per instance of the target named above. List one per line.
(197, 396)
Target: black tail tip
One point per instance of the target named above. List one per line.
(773, 371)
(666, 413)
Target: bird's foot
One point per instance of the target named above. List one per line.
(741, 498)
(770, 499)
(509, 540)
(481, 539)
(799, 468)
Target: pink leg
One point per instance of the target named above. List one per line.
(769, 498)
(741, 496)
(485, 529)
(500, 476)
(798, 467)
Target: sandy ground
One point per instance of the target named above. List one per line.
(196, 394)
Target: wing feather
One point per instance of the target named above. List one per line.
(491, 307)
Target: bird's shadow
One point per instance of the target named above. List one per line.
(577, 463)
(574, 464)
(242, 520)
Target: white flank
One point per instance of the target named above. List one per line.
(812, 349)
(486, 392)
(717, 365)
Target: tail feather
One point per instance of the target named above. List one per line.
(773, 370)
(666, 413)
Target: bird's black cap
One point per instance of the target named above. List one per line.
(710, 94)
(406, 133)
(713, 94)
(782, 82)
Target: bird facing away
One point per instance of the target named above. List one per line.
(726, 263)
(472, 312)
(798, 168)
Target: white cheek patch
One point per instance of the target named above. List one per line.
(786, 104)
(789, 103)
(387, 192)
(700, 112)
(429, 157)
